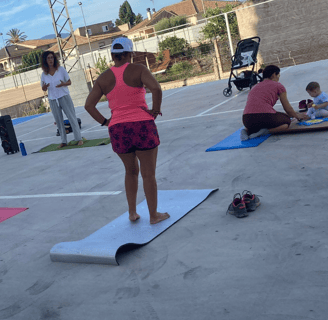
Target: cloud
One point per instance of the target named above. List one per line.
(6, 15)
(6, 5)
(39, 22)
(94, 12)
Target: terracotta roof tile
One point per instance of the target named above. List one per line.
(186, 8)
(14, 51)
(155, 18)
(212, 4)
(183, 8)
(34, 44)
(191, 7)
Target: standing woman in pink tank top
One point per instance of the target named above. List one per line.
(132, 128)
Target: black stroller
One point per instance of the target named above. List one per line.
(245, 56)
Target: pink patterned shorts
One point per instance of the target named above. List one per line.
(128, 137)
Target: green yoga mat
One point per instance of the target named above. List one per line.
(86, 144)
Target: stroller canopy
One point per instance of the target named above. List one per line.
(246, 53)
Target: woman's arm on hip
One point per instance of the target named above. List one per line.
(155, 88)
(91, 102)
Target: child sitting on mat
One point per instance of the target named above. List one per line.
(319, 106)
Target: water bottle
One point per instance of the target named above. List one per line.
(22, 148)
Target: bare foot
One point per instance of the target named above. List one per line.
(158, 217)
(62, 145)
(134, 217)
(80, 143)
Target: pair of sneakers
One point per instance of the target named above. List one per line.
(303, 106)
(243, 203)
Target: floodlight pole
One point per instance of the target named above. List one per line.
(65, 18)
(87, 35)
(229, 33)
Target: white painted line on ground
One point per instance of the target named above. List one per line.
(175, 93)
(38, 139)
(200, 114)
(161, 121)
(279, 104)
(80, 194)
(285, 69)
(191, 117)
(41, 127)
(90, 128)
(170, 94)
(210, 114)
(34, 131)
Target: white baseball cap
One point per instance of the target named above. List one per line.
(126, 43)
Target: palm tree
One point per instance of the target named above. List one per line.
(16, 36)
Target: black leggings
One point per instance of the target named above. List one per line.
(254, 122)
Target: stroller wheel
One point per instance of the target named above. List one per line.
(227, 92)
(239, 88)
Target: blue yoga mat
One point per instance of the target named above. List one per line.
(101, 246)
(234, 142)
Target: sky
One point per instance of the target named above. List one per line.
(33, 16)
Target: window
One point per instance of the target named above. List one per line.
(89, 32)
(105, 28)
(101, 44)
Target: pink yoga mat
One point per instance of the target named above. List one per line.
(6, 213)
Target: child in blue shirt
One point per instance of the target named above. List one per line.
(319, 106)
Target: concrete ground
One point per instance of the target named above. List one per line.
(271, 265)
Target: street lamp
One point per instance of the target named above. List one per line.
(86, 33)
(1, 34)
(4, 46)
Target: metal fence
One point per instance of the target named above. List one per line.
(24, 78)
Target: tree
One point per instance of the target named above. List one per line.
(217, 26)
(126, 14)
(167, 23)
(118, 22)
(139, 18)
(101, 64)
(16, 36)
(175, 45)
(32, 59)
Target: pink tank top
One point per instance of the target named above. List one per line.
(126, 103)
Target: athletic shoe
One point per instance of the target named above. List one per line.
(237, 207)
(302, 106)
(251, 201)
(243, 135)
